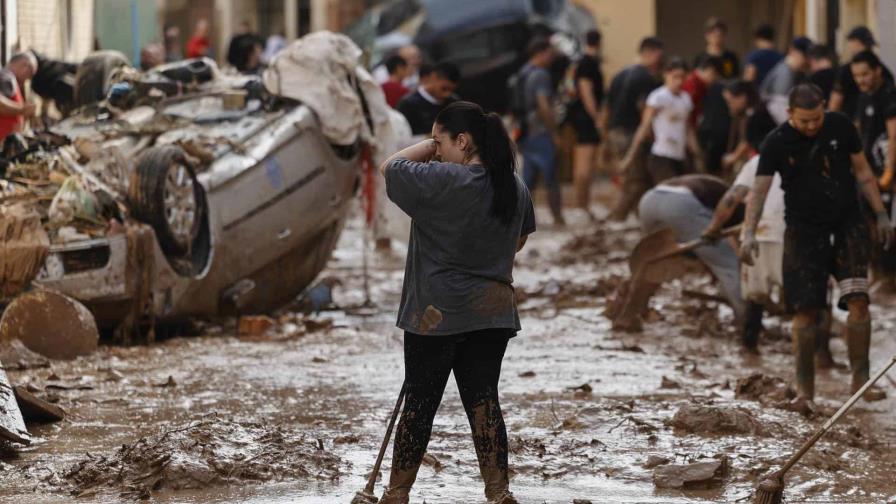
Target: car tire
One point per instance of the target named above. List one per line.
(165, 193)
(92, 80)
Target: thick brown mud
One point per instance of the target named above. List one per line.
(296, 415)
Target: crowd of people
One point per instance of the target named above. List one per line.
(809, 147)
(806, 144)
(247, 51)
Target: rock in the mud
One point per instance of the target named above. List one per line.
(669, 383)
(202, 454)
(654, 461)
(762, 388)
(35, 409)
(699, 419)
(689, 476)
(51, 324)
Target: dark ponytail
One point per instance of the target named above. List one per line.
(495, 150)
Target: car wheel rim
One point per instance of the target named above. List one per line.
(180, 202)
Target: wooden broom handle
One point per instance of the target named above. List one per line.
(831, 421)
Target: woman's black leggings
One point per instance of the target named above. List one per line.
(475, 358)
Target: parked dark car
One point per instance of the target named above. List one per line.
(487, 39)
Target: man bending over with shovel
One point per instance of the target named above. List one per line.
(820, 160)
(678, 209)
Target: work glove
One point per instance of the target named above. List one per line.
(885, 180)
(749, 249)
(884, 230)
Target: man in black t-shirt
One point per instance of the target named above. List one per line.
(622, 114)
(752, 121)
(715, 34)
(820, 160)
(876, 117)
(845, 96)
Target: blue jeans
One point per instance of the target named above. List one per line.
(539, 156)
(688, 218)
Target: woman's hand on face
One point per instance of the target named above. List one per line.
(431, 149)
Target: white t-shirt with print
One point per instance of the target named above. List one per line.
(670, 126)
(771, 224)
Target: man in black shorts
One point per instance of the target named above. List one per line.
(820, 159)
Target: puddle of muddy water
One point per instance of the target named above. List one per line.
(585, 407)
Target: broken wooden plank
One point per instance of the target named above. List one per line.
(35, 409)
(12, 425)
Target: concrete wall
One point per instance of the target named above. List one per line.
(885, 20)
(126, 26)
(623, 25)
(58, 28)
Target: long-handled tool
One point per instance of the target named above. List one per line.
(652, 249)
(656, 249)
(366, 496)
(771, 490)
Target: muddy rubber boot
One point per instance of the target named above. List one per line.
(803, 339)
(858, 343)
(555, 200)
(496, 486)
(505, 498)
(824, 359)
(399, 489)
(752, 327)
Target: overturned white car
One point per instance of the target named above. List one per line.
(227, 199)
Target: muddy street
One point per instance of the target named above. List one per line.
(296, 414)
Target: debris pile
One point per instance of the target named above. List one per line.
(205, 453)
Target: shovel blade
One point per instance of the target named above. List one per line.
(652, 245)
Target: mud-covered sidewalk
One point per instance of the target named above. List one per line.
(297, 414)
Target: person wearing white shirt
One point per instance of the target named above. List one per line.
(666, 116)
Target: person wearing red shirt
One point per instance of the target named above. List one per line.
(199, 43)
(697, 84)
(13, 107)
(393, 88)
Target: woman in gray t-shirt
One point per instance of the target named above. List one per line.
(471, 214)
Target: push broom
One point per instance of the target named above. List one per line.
(367, 496)
(771, 490)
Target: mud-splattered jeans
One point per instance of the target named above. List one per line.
(475, 358)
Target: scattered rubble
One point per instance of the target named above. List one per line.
(205, 453)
